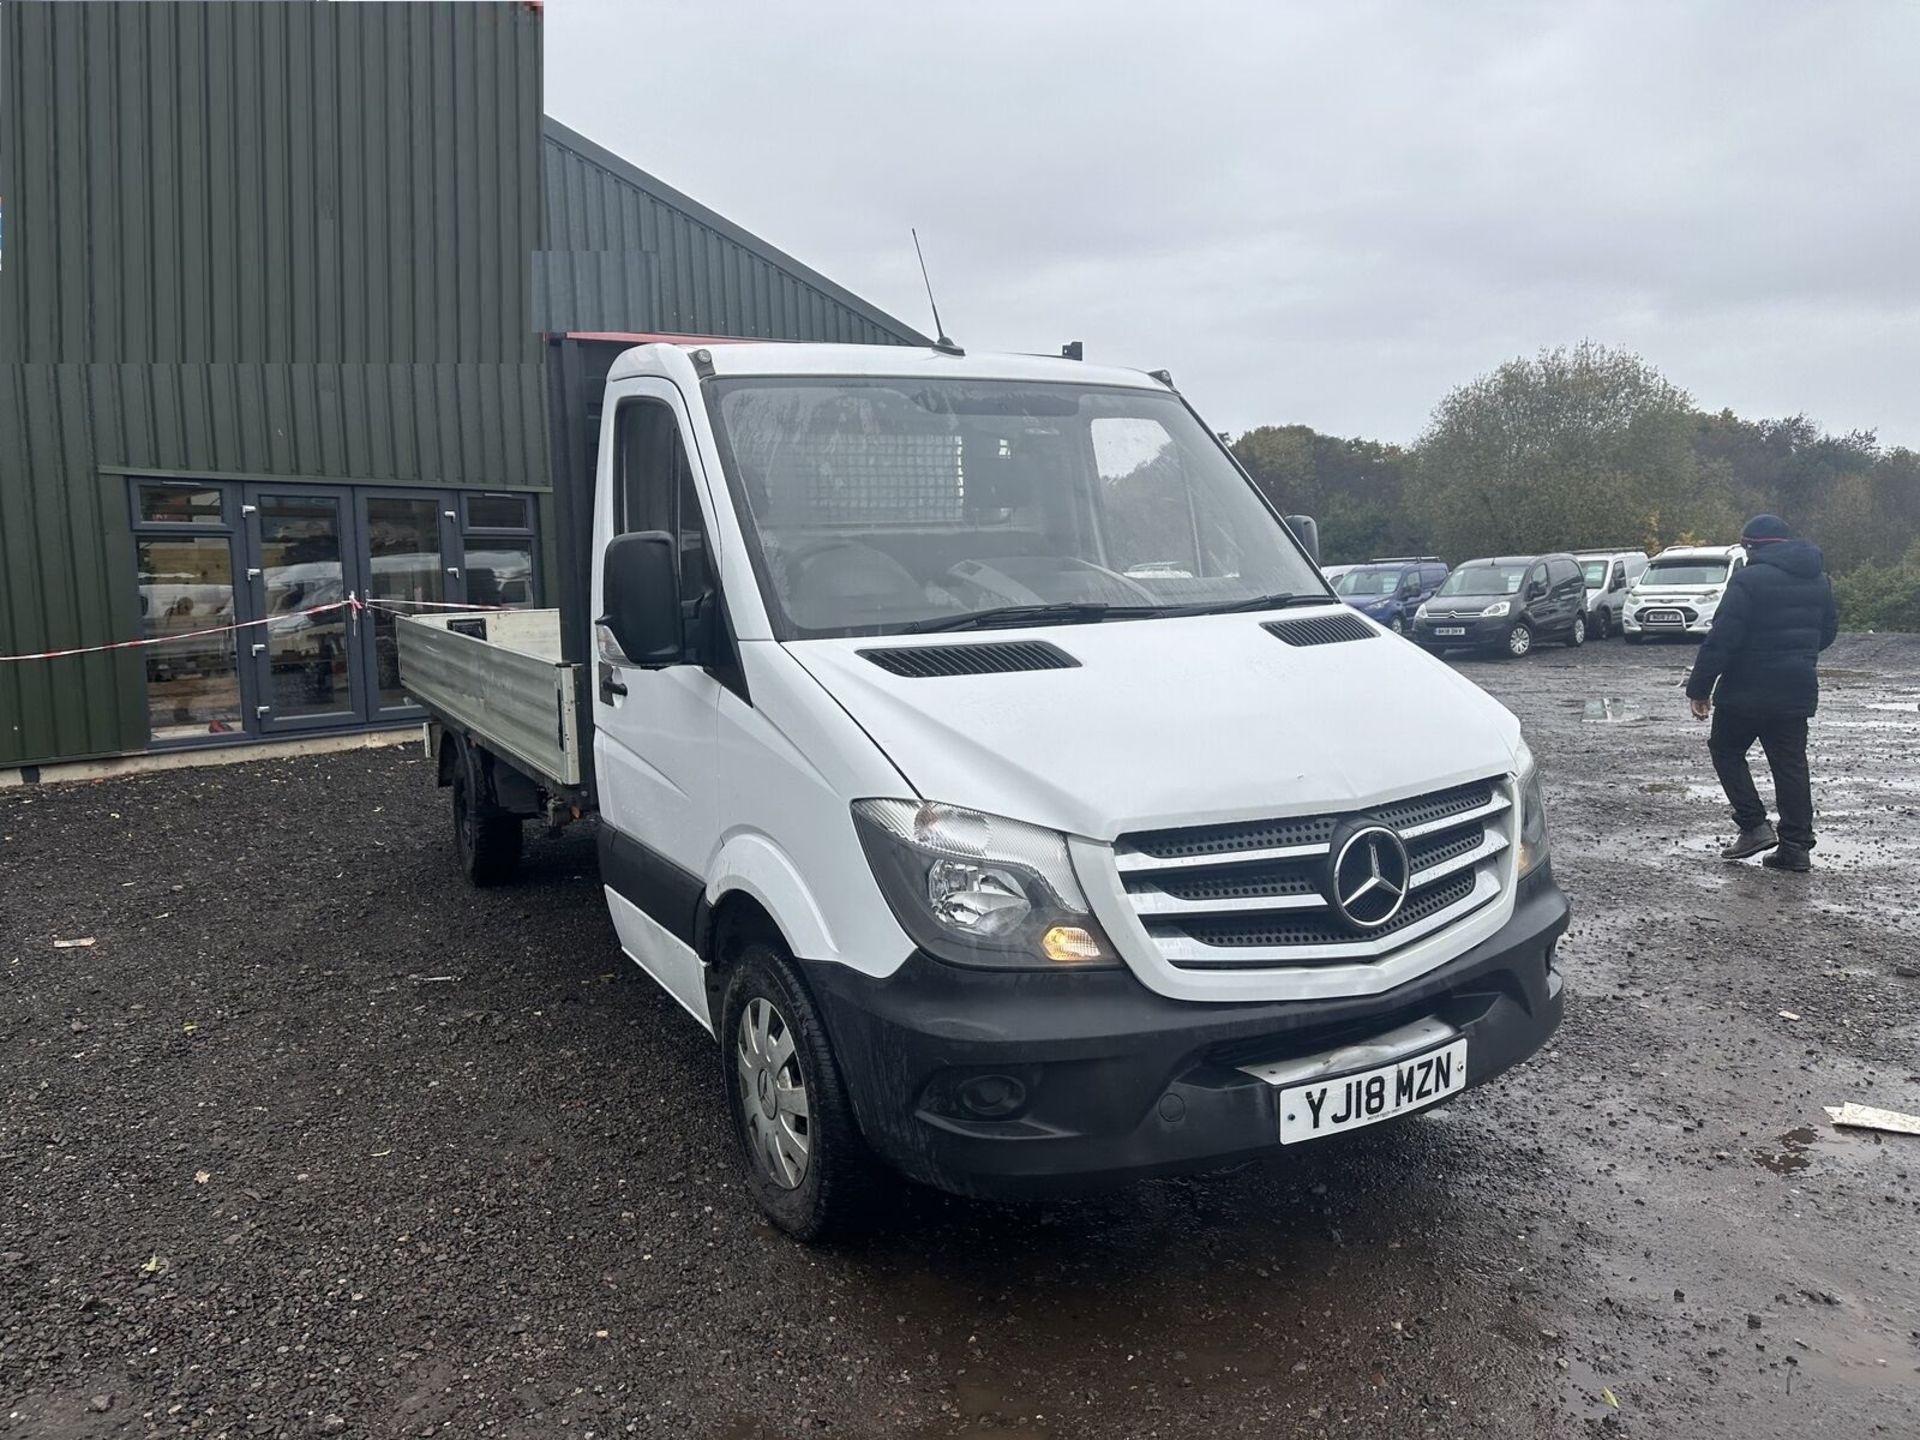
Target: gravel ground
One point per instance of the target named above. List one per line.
(313, 1140)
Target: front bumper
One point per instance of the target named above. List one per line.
(1482, 633)
(1690, 621)
(1034, 1083)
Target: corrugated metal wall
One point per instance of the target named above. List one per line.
(268, 183)
(252, 238)
(261, 238)
(631, 253)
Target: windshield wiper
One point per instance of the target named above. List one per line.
(1258, 602)
(1065, 613)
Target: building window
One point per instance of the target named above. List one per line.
(162, 504)
(288, 560)
(498, 540)
(498, 512)
(183, 551)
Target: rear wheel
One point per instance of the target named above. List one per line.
(799, 1142)
(1577, 632)
(1519, 640)
(487, 846)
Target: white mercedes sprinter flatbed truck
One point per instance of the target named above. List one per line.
(982, 760)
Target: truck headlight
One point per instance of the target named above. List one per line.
(1533, 813)
(1498, 607)
(976, 889)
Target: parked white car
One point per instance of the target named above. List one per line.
(1608, 574)
(1679, 591)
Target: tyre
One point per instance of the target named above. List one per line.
(1519, 640)
(805, 1162)
(1633, 639)
(1399, 626)
(1600, 624)
(1577, 632)
(487, 846)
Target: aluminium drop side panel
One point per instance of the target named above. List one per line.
(515, 694)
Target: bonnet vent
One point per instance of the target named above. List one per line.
(920, 661)
(1321, 629)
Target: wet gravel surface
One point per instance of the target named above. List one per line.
(312, 1140)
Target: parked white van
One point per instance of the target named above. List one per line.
(1608, 575)
(1679, 591)
(982, 761)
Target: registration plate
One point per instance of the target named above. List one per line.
(1660, 617)
(1326, 1107)
(1449, 629)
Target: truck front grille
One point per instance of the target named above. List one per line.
(1254, 894)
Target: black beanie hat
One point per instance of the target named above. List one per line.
(1763, 528)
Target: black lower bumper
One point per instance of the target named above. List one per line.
(1033, 1083)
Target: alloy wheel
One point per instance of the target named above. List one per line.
(1519, 641)
(773, 1094)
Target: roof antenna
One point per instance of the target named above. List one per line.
(943, 344)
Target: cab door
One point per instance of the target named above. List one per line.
(655, 737)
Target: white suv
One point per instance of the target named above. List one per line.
(1679, 591)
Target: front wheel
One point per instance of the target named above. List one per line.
(1519, 639)
(1577, 632)
(1633, 639)
(1601, 625)
(801, 1147)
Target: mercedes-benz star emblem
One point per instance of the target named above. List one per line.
(1368, 877)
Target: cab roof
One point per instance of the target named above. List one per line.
(781, 358)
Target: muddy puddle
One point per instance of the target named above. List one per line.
(1612, 711)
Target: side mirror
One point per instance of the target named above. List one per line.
(1536, 589)
(641, 593)
(1307, 531)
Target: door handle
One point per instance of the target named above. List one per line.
(259, 649)
(610, 683)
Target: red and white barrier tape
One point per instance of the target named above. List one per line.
(389, 604)
(353, 602)
(350, 603)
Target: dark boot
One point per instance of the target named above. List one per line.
(1751, 841)
(1790, 857)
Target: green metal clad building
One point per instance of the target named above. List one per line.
(274, 281)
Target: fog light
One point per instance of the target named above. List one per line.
(992, 1097)
(1068, 944)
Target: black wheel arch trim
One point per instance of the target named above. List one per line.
(667, 893)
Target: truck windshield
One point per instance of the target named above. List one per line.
(874, 506)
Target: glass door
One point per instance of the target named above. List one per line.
(406, 536)
(303, 555)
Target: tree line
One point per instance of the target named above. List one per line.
(1591, 446)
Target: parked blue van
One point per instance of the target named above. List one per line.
(1391, 589)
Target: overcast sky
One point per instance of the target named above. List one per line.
(1324, 214)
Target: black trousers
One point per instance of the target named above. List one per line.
(1784, 738)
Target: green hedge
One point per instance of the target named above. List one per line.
(1881, 597)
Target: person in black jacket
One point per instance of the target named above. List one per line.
(1757, 677)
